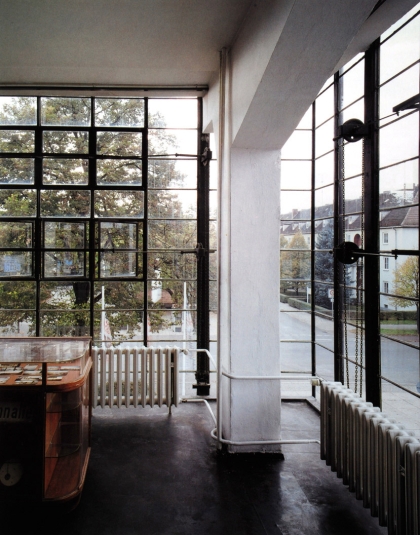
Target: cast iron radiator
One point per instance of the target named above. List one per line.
(375, 456)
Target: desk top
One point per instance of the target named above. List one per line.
(43, 349)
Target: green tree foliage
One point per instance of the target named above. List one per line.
(295, 264)
(65, 304)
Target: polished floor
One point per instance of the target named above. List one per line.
(152, 473)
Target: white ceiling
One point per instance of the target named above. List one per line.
(115, 42)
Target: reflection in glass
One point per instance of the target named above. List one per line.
(296, 174)
(124, 172)
(119, 112)
(64, 263)
(119, 143)
(65, 111)
(119, 203)
(398, 184)
(295, 205)
(399, 141)
(16, 170)
(17, 141)
(65, 172)
(172, 204)
(324, 170)
(173, 173)
(172, 113)
(61, 142)
(14, 264)
(14, 234)
(65, 203)
(60, 235)
(167, 265)
(18, 202)
(170, 234)
(298, 146)
(18, 110)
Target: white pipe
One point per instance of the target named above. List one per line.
(263, 442)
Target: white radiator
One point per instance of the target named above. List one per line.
(135, 376)
(375, 457)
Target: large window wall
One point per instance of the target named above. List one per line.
(104, 219)
(364, 327)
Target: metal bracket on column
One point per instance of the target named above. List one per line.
(199, 251)
(348, 252)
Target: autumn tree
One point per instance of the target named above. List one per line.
(295, 263)
(406, 285)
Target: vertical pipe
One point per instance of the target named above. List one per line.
(313, 331)
(371, 203)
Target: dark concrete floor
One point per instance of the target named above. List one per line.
(155, 474)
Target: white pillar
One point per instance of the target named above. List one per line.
(249, 298)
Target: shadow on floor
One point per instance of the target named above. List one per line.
(155, 474)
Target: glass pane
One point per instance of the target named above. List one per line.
(295, 269)
(65, 203)
(17, 141)
(120, 264)
(172, 204)
(18, 110)
(17, 202)
(17, 170)
(165, 326)
(119, 143)
(399, 229)
(401, 406)
(295, 204)
(400, 51)
(353, 192)
(167, 265)
(296, 231)
(213, 201)
(324, 335)
(296, 174)
(295, 357)
(65, 172)
(298, 146)
(119, 203)
(323, 292)
(67, 323)
(294, 324)
(353, 84)
(119, 112)
(405, 86)
(173, 173)
(324, 170)
(325, 106)
(213, 234)
(214, 174)
(405, 283)
(400, 323)
(399, 141)
(213, 305)
(15, 264)
(355, 111)
(353, 159)
(17, 311)
(118, 235)
(59, 235)
(172, 234)
(324, 198)
(13, 234)
(324, 138)
(64, 295)
(398, 184)
(173, 113)
(324, 268)
(172, 142)
(64, 264)
(172, 294)
(120, 172)
(324, 358)
(65, 111)
(75, 142)
(213, 266)
(306, 121)
(400, 363)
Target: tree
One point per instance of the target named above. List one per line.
(406, 285)
(324, 265)
(295, 264)
(65, 304)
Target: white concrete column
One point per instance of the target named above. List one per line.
(249, 290)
